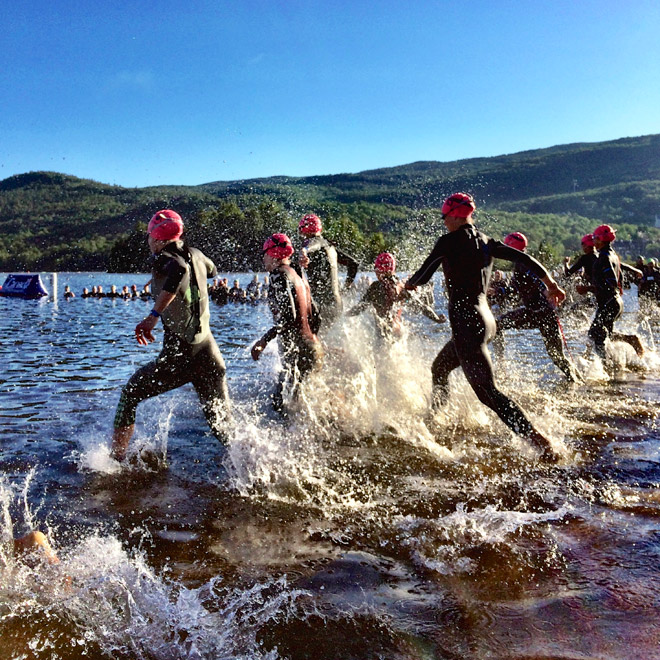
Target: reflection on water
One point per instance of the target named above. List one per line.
(353, 532)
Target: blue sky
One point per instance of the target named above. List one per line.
(150, 93)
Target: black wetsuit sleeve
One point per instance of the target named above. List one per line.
(500, 251)
(173, 271)
(431, 263)
(575, 267)
(211, 270)
(352, 266)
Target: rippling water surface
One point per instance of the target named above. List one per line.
(353, 532)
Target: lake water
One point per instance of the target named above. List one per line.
(351, 532)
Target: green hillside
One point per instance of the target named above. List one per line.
(55, 221)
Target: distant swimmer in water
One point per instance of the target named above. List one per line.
(466, 256)
(321, 259)
(190, 353)
(68, 294)
(295, 326)
(536, 313)
(386, 295)
(607, 285)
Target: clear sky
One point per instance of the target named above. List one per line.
(170, 92)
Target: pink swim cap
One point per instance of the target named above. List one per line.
(278, 246)
(587, 240)
(604, 233)
(385, 263)
(459, 205)
(516, 240)
(310, 225)
(165, 225)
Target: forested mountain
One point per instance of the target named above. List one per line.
(55, 221)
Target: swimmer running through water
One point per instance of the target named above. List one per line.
(320, 259)
(466, 256)
(291, 304)
(385, 295)
(535, 313)
(190, 353)
(607, 286)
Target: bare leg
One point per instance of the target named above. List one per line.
(120, 439)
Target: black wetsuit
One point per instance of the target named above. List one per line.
(585, 262)
(190, 353)
(607, 281)
(649, 287)
(536, 313)
(323, 275)
(295, 322)
(466, 256)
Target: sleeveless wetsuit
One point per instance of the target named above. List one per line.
(536, 313)
(190, 353)
(466, 256)
(290, 302)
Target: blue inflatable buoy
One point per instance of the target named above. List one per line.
(23, 286)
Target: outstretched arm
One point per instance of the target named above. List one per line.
(352, 266)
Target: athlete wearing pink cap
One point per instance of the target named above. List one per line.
(535, 313)
(190, 353)
(295, 319)
(321, 259)
(586, 261)
(466, 256)
(386, 295)
(166, 225)
(608, 287)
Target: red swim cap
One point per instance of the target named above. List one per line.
(587, 240)
(165, 225)
(459, 205)
(604, 233)
(385, 263)
(310, 225)
(516, 240)
(278, 246)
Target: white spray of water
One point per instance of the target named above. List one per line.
(441, 545)
(114, 601)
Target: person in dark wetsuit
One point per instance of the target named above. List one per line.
(585, 262)
(536, 312)
(190, 353)
(385, 296)
(291, 304)
(648, 287)
(608, 289)
(466, 256)
(320, 259)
